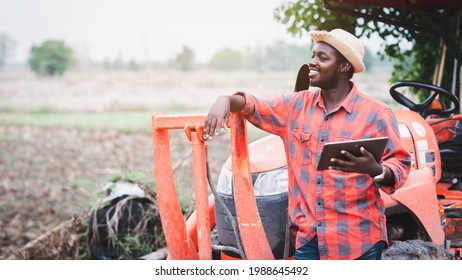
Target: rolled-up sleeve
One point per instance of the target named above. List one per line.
(270, 114)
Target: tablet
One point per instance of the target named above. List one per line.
(332, 150)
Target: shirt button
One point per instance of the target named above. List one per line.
(322, 140)
(318, 182)
(326, 118)
(319, 224)
(319, 203)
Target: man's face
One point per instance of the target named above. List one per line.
(324, 66)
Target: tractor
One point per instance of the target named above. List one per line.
(245, 217)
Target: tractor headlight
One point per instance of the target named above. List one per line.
(225, 182)
(265, 183)
(271, 182)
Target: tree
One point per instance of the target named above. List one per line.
(51, 58)
(6, 47)
(411, 64)
(280, 57)
(186, 59)
(228, 60)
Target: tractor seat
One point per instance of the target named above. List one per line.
(451, 153)
(451, 150)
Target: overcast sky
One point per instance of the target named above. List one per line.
(143, 29)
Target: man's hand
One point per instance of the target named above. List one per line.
(218, 115)
(362, 164)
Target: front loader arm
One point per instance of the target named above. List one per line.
(179, 242)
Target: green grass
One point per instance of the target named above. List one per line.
(82, 182)
(124, 121)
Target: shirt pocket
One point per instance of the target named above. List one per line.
(301, 153)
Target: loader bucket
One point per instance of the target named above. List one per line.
(180, 243)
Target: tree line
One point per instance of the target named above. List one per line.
(279, 56)
(54, 57)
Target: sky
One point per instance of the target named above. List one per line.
(152, 30)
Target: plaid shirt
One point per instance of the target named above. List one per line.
(343, 209)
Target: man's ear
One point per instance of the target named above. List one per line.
(345, 66)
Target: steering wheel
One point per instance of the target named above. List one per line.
(424, 108)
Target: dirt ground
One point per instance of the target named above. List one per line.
(49, 174)
(60, 173)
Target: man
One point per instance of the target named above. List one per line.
(336, 213)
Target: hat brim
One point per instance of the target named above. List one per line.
(344, 49)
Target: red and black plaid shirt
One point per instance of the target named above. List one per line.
(343, 209)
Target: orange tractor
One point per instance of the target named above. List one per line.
(245, 217)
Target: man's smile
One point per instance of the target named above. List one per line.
(313, 72)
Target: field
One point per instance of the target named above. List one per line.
(61, 138)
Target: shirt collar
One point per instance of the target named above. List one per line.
(347, 103)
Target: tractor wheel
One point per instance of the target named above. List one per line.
(415, 250)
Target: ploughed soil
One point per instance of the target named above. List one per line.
(49, 175)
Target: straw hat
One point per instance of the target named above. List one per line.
(346, 43)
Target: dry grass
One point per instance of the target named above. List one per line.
(117, 90)
(153, 90)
